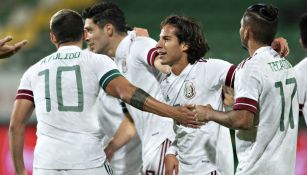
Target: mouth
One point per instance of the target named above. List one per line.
(90, 46)
(161, 53)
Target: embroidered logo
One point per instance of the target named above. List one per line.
(189, 90)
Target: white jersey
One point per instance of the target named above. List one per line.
(132, 57)
(127, 160)
(64, 87)
(300, 70)
(266, 85)
(201, 83)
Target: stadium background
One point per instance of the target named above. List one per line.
(29, 19)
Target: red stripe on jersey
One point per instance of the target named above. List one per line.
(25, 97)
(25, 91)
(301, 106)
(25, 94)
(151, 56)
(245, 104)
(230, 76)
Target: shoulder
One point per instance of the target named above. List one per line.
(214, 63)
(302, 65)
(143, 42)
(91, 57)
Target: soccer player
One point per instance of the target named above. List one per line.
(301, 68)
(194, 80)
(63, 88)
(266, 106)
(107, 34)
(7, 50)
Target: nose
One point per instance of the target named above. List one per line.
(86, 36)
(159, 45)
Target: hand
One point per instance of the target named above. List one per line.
(186, 116)
(9, 50)
(228, 96)
(281, 46)
(141, 31)
(109, 152)
(202, 113)
(171, 164)
(23, 172)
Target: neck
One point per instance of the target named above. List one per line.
(114, 44)
(178, 67)
(253, 46)
(77, 43)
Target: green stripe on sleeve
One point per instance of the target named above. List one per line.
(107, 77)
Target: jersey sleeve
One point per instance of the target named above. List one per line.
(302, 87)
(223, 72)
(25, 90)
(105, 69)
(146, 50)
(247, 88)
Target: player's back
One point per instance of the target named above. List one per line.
(264, 147)
(65, 86)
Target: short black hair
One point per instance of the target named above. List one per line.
(303, 29)
(107, 12)
(67, 26)
(190, 32)
(263, 20)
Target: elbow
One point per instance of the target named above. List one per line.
(244, 122)
(16, 127)
(244, 126)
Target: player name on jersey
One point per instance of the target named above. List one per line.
(280, 65)
(61, 56)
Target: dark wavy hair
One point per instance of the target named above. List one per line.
(263, 20)
(107, 12)
(189, 32)
(303, 29)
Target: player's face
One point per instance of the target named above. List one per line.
(96, 38)
(242, 37)
(169, 49)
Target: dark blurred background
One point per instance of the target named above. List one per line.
(29, 19)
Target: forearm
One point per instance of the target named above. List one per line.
(16, 146)
(143, 101)
(231, 119)
(124, 134)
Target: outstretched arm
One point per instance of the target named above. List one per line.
(125, 132)
(236, 119)
(7, 50)
(22, 111)
(121, 88)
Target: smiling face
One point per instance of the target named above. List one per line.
(171, 52)
(97, 38)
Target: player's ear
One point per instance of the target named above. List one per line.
(184, 46)
(109, 29)
(302, 44)
(53, 39)
(246, 32)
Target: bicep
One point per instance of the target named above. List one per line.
(242, 119)
(22, 111)
(121, 88)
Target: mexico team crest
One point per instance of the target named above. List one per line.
(189, 90)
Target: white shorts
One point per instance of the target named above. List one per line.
(154, 163)
(103, 170)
